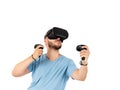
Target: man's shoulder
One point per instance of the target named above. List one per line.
(67, 59)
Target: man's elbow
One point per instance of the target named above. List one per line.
(17, 73)
(14, 74)
(82, 79)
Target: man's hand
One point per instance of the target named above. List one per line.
(81, 73)
(38, 51)
(85, 53)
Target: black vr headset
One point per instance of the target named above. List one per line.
(56, 32)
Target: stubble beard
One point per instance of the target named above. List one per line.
(56, 47)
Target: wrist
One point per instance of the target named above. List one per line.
(83, 63)
(33, 57)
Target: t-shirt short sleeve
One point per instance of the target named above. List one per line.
(31, 66)
(71, 68)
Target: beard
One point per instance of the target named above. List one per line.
(52, 45)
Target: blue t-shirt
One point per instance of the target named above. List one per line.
(51, 75)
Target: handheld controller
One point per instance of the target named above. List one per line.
(79, 48)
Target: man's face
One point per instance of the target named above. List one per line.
(54, 43)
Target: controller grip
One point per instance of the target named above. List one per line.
(79, 48)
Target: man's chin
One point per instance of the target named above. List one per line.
(56, 47)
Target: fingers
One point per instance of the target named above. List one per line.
(85, 53)
(38, 51)
(85, 47)
(40, 47)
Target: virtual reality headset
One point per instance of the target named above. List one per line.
(56, 32)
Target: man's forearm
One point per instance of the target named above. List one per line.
(21, 68)
(82, 73)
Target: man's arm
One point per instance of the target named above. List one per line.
(21, 68)
(81, 73)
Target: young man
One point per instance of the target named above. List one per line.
(51, 71)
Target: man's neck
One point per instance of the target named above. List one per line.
(53, 54)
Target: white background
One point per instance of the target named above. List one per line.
(95, 23)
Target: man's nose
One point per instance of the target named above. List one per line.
(58, 38)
